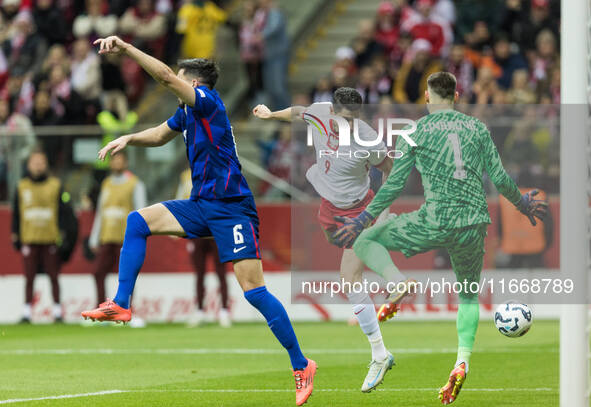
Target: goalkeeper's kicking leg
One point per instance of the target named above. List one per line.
(373, 248)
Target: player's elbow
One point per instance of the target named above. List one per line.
(166, 76)
(162, 135)
(161, 140)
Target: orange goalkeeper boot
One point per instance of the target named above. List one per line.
(108, 311)
(392, 305)
(449, 392)
(304, 380)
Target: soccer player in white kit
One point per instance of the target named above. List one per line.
(341, 177)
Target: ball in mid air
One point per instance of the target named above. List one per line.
(513, 319)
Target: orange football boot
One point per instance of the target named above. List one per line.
(304, 380)
(108, 311)
(392, 305)
(449, 392)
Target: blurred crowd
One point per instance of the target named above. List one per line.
(50, 73)
(501, 51)
(264, 49)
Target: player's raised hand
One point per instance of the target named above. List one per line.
(262, 112)
(533, 208)
(346, 235)
(111, 45)
(114, 147)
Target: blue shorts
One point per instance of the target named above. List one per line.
(233, 223)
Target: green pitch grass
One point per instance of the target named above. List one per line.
(170, 365)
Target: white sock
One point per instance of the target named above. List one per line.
(463, 357)
(27, 311)
(57, 311)
(368, 322)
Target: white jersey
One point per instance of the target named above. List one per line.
(341, 173)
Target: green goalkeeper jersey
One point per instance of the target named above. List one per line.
(453, 150)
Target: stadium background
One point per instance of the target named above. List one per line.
(56, 93)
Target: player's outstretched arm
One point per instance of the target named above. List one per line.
(154, 137)
(287, 115)
(395, 181)
(157, 69)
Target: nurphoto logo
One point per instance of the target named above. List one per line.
(338, 132)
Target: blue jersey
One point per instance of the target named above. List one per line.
(211, 149)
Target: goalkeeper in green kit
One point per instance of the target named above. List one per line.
(453, 150)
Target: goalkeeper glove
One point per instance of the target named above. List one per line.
(346, 235)
(533, 208)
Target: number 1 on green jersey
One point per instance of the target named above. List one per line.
(459, 173)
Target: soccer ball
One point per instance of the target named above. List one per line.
(513, 319)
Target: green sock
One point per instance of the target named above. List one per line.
(467, 324)
(377, 257)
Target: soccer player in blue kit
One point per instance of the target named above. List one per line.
(221, 204)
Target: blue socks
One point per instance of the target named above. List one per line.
(132, 257)
(279, 323)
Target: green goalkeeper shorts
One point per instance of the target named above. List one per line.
(410, 234)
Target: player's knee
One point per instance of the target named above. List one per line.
(249, 273)
(136, 225)
(357, 246)
(248, 285)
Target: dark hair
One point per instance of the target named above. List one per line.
(443, 84)
(347, 98)
(200, 68)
